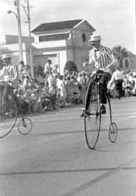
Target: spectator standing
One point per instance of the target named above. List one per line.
(52, 84)
(82, 81)
(47, 70)
(21, 69)
(25, 82)
(134, 87)
(61, 91)
(128, 84)
(55, 69)
(48, 67)
(117, 78)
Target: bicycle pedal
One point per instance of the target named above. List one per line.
(87, 113)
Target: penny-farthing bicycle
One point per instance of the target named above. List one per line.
(93, 113)
(10, 110)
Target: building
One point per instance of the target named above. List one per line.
(59, 41)
(131, 61)
(62, 41)
(9, 45)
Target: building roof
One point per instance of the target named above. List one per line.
(57, 25)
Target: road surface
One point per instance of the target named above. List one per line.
(54, 160)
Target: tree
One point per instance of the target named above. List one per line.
(120, 53)
(70, 66)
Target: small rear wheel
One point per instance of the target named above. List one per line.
(113, 132)
(24, 126)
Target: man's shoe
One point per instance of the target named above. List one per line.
(82, 115)
(103, 109)
(85, 114)
(83, 111)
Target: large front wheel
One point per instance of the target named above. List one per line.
(92, 116)
(8, 116)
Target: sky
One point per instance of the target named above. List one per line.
(114, 20)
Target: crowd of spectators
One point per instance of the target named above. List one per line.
(128, 85)
(50, 90)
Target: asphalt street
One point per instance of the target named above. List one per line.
(54, 160)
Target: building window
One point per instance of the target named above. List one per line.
(84, 37)
(54, 37)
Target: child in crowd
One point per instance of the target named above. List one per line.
(61, 91)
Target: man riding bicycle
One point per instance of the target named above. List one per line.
(9, 73)
(8, 79)
(104, 62)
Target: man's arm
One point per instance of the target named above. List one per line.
(91, 62)
(113, 60)
(2, 74)
(112, 80)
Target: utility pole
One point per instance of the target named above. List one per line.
(17, 15)
(27, 12)
(30, 44)
(17, 4)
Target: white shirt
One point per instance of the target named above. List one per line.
(47, 67)
(118, 75)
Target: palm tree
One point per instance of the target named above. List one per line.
(120, 53)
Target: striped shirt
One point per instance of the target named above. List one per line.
(103, 58)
